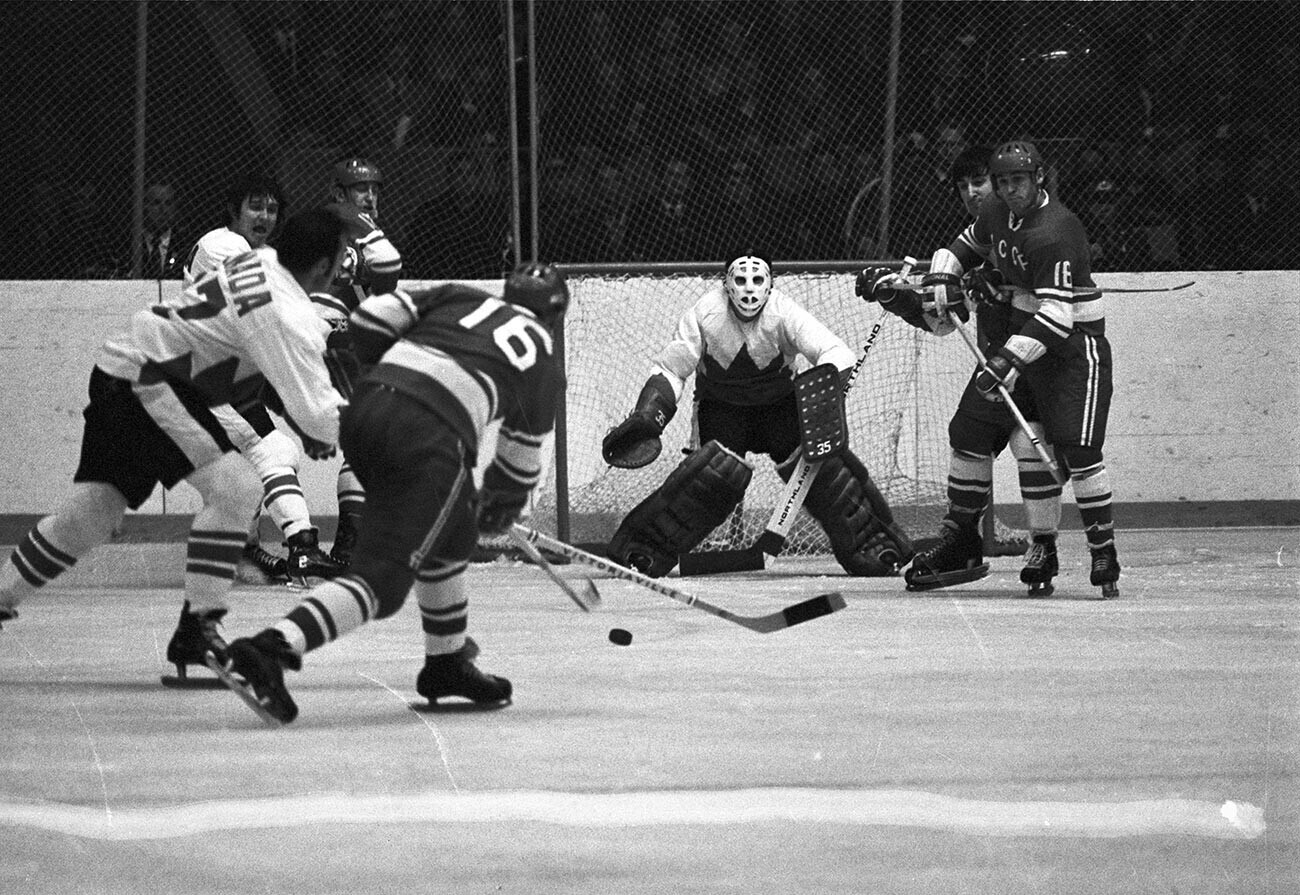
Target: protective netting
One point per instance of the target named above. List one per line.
(897, 410)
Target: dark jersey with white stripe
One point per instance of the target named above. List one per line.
(471, 358)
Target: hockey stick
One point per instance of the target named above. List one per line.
(772, 540)
(1078, 290)
(590, 596)
(816, 607)
(1015, 411)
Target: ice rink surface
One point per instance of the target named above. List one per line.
(968, 740)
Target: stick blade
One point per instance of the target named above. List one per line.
(816, 607)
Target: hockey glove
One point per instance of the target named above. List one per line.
(949, 295)
(634, 442)
(1002, 369)
(499, 509)
(877, 284)
(984, 286)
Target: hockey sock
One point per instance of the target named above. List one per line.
(1041, 495)
(211, 558)
(352, 497)
(330, 610)
(970, 480)
(1092, 493)
(33, 564)
(444, 610)
(284, 500)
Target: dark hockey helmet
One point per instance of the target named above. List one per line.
(1016, 155)
(540, 288)
(352, 171)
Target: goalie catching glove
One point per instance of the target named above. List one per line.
(635, 442)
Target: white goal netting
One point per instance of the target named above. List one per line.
(898, 408)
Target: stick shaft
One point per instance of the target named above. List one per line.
(541, 562)
(1015, 410)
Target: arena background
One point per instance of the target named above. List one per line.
(631, 140)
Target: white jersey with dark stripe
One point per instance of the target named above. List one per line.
(470, 358)
(245, 321)
(1044, 258)
(373, 263)
(747, 362)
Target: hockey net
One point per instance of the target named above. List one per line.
(897, 410)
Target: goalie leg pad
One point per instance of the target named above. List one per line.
(857, 519)
(696, 498)
(819, 398)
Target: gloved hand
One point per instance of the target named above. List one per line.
(983, 284)
(949, 294)
(634, 442)
(499, 509)
(877, 284)
(1002, 369)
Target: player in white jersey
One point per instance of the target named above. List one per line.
(741, 341)
(245, 325)
(253, 204)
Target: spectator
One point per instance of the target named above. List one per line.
(599, 223)
(671, 224)
(817, 229)
(462, 232)
(165, 241)
(1263, 215)
(82, 245)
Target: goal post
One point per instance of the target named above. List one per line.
(622, 315)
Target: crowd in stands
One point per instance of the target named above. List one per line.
(664, 144)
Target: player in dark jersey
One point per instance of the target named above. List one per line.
(446, 363)
(372, 266)
(1058, 330)
(979, 429)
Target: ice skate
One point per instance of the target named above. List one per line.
(7, 614)
(307, 560)
(1041, 566)
(455, 674)
(254, 671)
(345, 539)
(956, 559)
(272, 567)
(196, 635)
(1105, 571)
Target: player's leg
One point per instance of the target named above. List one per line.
(275, 456)
(352, 501)
(244, 434)
(1082, 388)
(977, 433)
(114, 471)
(1041, 493)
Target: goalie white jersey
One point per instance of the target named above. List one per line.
(747, 362)
(245, 321)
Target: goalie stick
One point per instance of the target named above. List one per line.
(590, 596)
(772, 540)
(816, 607)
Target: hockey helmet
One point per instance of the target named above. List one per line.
(352, 171)
(748, 285)
(1016, 155)
(540, 288)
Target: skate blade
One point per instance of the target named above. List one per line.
(1038, 591)
(243, 691)
(1110, 591)
(176, 682)
(948, 579)
(457, 707)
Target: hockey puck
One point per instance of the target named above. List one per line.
(619, 636)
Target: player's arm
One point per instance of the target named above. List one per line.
(379, 321)
(286, 341)
(516, 468)
(382, 260)
(813, 340)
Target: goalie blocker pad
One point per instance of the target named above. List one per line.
(696, 498)
(819, 397)
(857, 519)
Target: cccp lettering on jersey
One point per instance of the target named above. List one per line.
(1012, 252)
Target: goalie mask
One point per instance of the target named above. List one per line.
(748, 285)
